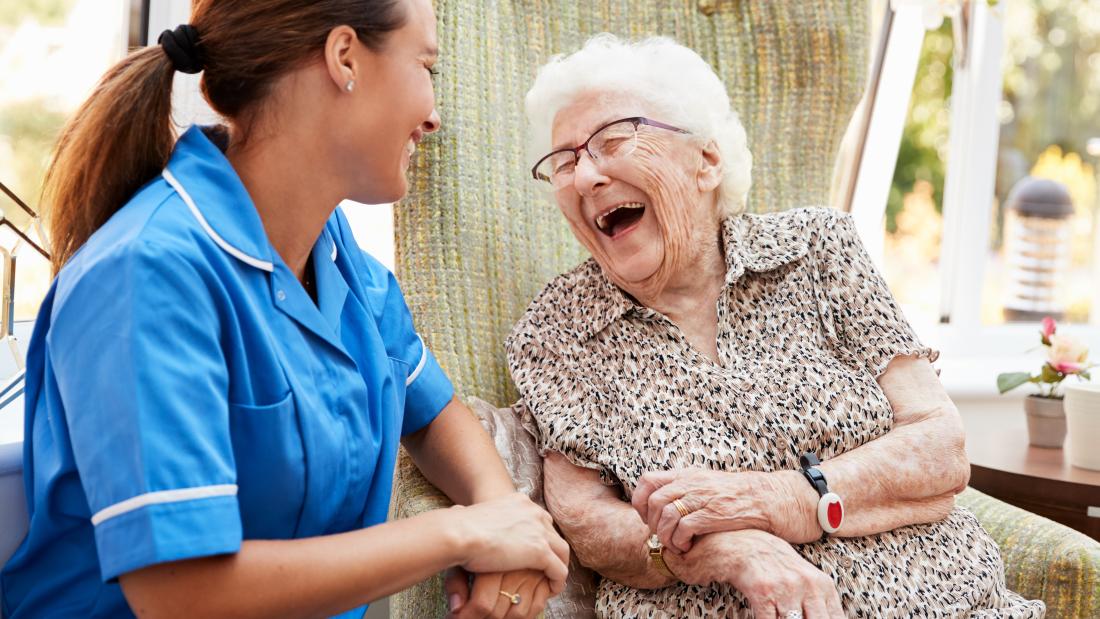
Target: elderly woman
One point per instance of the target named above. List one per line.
(704, 360)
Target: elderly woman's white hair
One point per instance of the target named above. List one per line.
(675, 79)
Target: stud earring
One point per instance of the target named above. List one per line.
(350, 85)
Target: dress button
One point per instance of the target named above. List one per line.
(280, 295)
(845, 562)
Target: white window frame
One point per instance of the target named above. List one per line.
(973, 353)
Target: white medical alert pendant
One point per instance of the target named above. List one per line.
(830, 512)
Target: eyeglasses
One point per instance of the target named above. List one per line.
(611, 142)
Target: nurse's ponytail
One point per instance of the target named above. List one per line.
(118, 140)
(122, 136)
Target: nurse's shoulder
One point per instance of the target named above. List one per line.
(156, 218)
(151, 252)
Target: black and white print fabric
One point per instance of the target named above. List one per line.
(806, 325)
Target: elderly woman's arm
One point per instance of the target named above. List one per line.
(604, 531)
(908, 476)
(608, 537)
(912, 474)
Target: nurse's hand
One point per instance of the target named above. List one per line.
(487, 599)
(509, 534)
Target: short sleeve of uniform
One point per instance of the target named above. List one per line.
(859, 313)
(135, 354)
(427, 388)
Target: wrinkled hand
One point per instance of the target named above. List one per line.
(776, 580)
(486, 600)
(773, 577)
(509, 534)
(715, 501)
(721, 501)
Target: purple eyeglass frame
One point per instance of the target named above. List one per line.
(637, 120)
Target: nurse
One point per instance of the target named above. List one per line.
(219, 378)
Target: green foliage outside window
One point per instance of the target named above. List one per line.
(47, 12)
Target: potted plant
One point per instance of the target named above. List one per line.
(1066, 356)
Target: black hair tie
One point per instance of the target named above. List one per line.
(182, 48)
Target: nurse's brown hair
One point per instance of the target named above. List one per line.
(122, 136)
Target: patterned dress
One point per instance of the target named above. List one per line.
(805, 326)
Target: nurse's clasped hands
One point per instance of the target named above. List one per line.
(517, 558)
(511, 533)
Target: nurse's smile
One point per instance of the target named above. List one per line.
(220, 378)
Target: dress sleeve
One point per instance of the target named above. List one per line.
(135, 356)
(560, 407)
(428, 390)
(859, 313)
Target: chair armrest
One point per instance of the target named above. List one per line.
(412, 495)
(1043, 559)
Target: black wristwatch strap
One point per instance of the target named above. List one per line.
(809, 462)
(830, 509)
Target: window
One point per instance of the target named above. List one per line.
(947, 201)
(1000, 90)
(1042, 258)
(914, 220)
(73, 42)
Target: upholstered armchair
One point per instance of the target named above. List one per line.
(476, 241)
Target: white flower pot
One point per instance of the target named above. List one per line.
(1046, 421)
(1082, 405)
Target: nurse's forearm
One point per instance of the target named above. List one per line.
(313, 577)
(458, 457)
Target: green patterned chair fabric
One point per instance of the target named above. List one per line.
(1043, 559)
(476, 241)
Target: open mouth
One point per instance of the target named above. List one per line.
(619, 218)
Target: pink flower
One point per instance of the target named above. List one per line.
(1049, 327)
(1068, 367)
(1066, 352)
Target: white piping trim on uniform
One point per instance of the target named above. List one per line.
(233, 251)
(419, 366)
(163, 496)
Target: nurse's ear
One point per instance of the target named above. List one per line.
(339, 59)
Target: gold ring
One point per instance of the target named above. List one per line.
(680, 508)
(514, 598)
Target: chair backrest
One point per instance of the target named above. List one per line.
(475, 241)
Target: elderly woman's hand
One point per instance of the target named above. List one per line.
(486, 599)
(713, 501)
(765, 569)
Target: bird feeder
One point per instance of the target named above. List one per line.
(1037, 248)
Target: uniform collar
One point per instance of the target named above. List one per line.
(202, 176)
(209, 186)
(757, 243)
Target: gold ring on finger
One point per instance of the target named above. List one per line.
(681, 508)
(514, 598)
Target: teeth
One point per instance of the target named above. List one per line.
(601, 220)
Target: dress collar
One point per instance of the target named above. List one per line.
(757, 243)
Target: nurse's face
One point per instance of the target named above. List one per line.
(394, 107)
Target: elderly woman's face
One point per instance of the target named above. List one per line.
(636, 212)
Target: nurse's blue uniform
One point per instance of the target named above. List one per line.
(184, 393)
